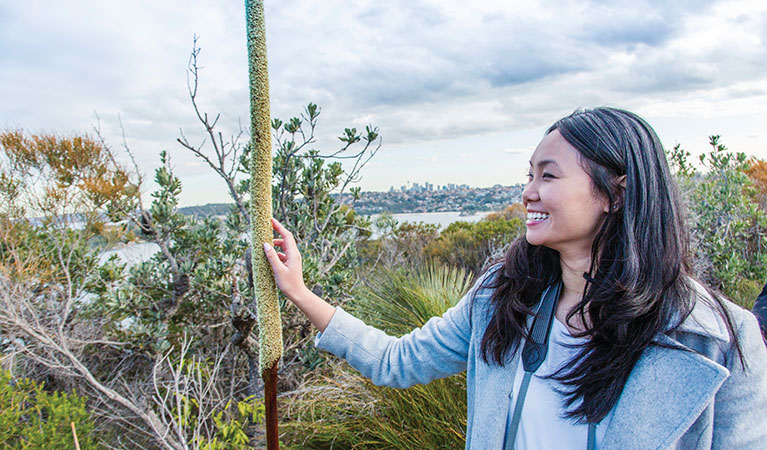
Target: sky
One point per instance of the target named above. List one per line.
(461, 91)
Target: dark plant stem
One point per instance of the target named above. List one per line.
(270, 401)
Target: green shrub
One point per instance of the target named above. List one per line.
(729, 230)
(32, 418)
(473, 246)
(399, 244)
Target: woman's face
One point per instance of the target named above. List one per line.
(563, 212)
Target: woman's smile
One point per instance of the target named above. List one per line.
(536, 217)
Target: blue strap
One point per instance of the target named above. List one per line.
(511, 437)
(512, 434)
(592, 442)
(533, 355)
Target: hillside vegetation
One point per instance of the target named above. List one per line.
(162, 353)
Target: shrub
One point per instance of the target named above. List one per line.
(33, 418)
(474, 246)
(728, 227)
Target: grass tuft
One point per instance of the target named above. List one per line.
(344, 410)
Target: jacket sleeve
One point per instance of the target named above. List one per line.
(436, 350)
(741, 402)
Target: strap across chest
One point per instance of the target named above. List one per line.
(533, 355)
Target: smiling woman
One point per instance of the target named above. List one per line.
(564, 211)
(640, 355)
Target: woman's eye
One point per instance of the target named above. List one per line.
(548, 175)
(529, 176)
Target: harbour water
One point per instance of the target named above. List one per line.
(443, 219)
(137, 252)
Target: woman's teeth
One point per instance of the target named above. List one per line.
(536, 216)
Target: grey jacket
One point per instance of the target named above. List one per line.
(673, 398)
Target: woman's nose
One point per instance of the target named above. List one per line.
(530, 193)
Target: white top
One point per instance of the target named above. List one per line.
(542, 425)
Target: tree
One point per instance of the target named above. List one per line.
(303, 180)
(728, 227)
(475, 246)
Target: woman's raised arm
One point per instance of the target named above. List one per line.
(290, 279)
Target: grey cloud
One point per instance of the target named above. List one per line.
(653, 31)
(665, 75)
(417, 69)
(629, 23)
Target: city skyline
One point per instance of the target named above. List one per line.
(427, 186)
(461, 93)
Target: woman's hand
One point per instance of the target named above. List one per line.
(290, 278)
(288, 273)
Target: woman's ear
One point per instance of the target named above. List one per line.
(620, 192)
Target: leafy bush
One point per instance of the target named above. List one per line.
(728, 227)
(32, 418)
(399, 244)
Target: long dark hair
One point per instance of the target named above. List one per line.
(637, 285)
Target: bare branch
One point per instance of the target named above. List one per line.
(222, 150)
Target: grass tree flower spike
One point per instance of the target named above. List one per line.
(269, 324)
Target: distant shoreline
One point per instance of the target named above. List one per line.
(418, 200)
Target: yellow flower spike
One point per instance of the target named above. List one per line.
(270, 338)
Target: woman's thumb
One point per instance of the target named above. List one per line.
(271, 256)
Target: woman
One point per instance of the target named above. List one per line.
(640, 356)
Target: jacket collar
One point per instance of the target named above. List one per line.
(704, 319)
(666, 392)
(669, 388)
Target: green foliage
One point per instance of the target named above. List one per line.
(397, 301)
(471, 246)
(398, 245)
(325, 226)
(151, 305)
(231, 427)
(474, 245)
(728, 226)
(33, 418)
(347, 411)
(678, 161)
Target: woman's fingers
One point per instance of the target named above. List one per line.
(287, 236)
(288, 243)
(286, 264)
(270, 251)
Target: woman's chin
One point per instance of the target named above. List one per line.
(532, 239)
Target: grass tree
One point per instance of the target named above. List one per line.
(267, 307)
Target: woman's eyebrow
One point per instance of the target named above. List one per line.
(544, 162)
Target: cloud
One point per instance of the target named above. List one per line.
(421, 70)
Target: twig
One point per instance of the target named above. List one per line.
(74, 434)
